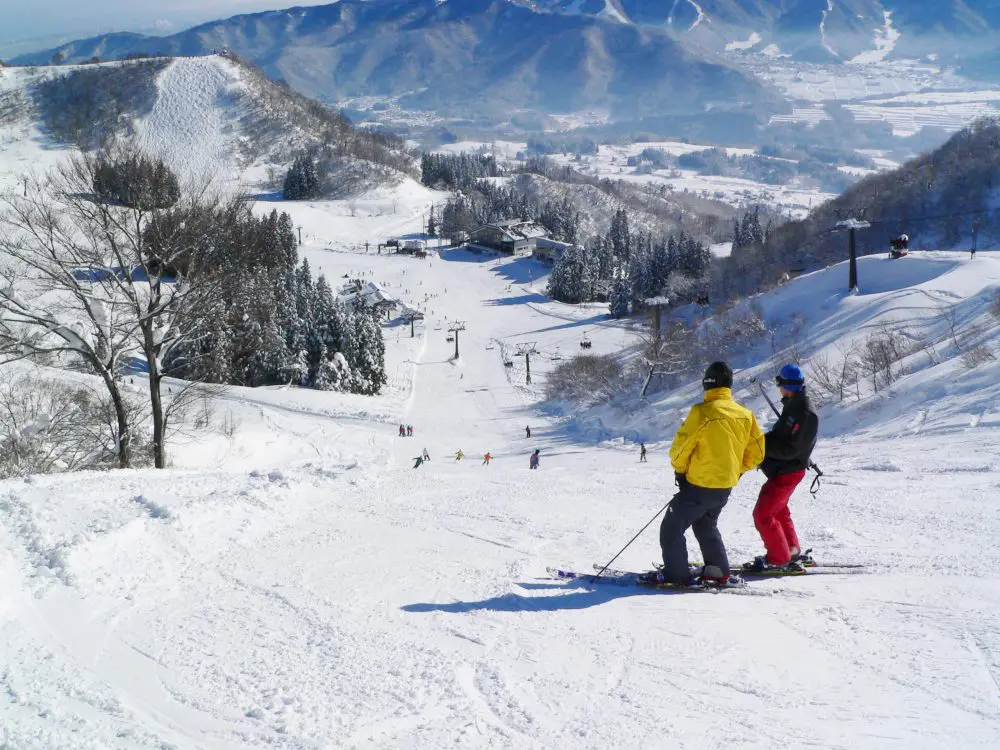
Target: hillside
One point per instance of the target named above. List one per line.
(946, 198)
(479, 58)
(209, 117)
(297, 583)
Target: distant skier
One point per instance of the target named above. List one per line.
(426, 456)
(460, 455)
(418, 461)
(533, 461)
(527, 431)
(409, 430)
(787, 449)
(718, 442)
(487, 458)
(642, 453)
(402, 430)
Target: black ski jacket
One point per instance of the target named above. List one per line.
(789, 444)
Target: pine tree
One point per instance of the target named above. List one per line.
(619, 236)
(302, 181)
(431, 224)
(571, 279)
(619, 306)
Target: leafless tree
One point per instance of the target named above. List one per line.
(835, 375)
(669, 354)
(94, 281)
(49, 425)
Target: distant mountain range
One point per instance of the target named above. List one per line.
(478, 58)
(484, 59)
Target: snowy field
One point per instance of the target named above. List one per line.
(907, 94)
(296, 584)
(612, 162)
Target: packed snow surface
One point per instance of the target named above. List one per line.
(293, 583)
(310, 589)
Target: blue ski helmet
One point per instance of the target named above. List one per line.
(791, 378)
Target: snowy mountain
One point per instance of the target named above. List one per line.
(477, 58)
(816, 30)
(212, 116)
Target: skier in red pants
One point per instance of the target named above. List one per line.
(787, 450)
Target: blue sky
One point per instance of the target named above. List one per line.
(22, 21)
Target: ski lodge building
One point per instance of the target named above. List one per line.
(369, 293)
(511, 237)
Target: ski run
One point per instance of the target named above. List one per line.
(294, 582)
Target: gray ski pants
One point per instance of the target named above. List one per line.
(695, 508)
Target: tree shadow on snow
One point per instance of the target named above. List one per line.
(577, 594)
(521, 299)
(522, 270)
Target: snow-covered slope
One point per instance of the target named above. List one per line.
(308, 588)
(212, 118)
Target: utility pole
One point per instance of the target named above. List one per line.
(852, 226)
(526, 350)
(300, 234)
(413, 317)
(455, 328)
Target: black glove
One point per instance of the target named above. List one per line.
(678, 478)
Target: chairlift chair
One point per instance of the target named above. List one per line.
(585, 342)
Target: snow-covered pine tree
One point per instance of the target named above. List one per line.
(571, 278)
(619, 305)
(620, 237)
(369, 370)
(302, 180)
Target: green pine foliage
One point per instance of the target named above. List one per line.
(303, 180)
(278, 325)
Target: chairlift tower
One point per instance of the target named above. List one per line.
(526, 350)
(453, 329)
(852, 225)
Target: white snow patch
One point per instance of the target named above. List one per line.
(752, 41)
(822, 29)
(701, 15)
(611, 11)
(885, 42)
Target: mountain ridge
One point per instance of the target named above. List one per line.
(480, 56)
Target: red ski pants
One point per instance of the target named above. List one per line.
(772, 519)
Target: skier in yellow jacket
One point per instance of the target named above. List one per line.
(718, 442)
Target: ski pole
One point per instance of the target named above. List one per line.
(814, 487)
(597, 575)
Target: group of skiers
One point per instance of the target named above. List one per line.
(420, 460)
(719, 442)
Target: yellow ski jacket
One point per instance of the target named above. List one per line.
(718, 442)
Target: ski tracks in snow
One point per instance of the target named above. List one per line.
(187, 126)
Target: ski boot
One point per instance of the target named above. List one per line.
(657, 578)
(804, 559)
(760, 566)
(713, 577)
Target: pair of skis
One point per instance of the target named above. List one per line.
(631, 578)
